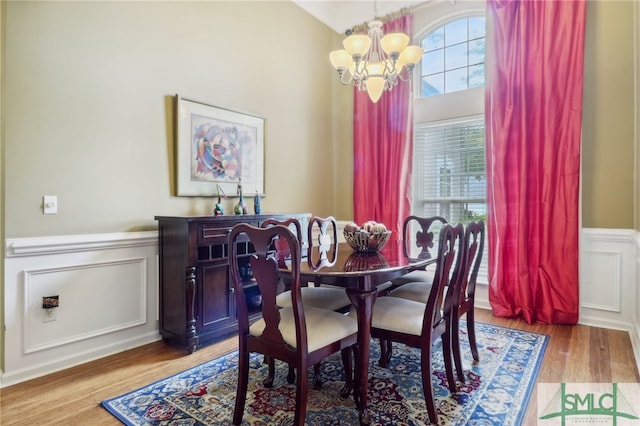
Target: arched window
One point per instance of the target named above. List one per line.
(449, 173)
(453, 57)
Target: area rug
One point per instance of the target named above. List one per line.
(496, 391)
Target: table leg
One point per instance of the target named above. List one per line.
(363, 302)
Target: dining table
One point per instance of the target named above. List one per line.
(361, 273)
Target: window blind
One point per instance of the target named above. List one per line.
(449, 172)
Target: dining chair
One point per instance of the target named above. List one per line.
(474, 246)
(324, 232)
(419, 325)
(333, 299)
(299, 335)
(419, 231)
(416, 231)
(325, 297)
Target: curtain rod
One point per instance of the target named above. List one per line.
(389, 17)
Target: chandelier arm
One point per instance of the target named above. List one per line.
(405, 75)
(342, 78)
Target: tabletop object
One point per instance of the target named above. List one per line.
(367, 242)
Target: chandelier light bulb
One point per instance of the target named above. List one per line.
(375, 69)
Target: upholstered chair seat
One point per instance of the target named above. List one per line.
(324, 297)
(328, 326)
(415, 276)
(416, 291)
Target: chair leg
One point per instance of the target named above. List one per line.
(356, 376)
(302, 389)
(347, 365)
(268, 381)
(386, 350)
(243, 381)
(471, 332)
(427, 384)
(291, 376)
(317, 380)
(455, 347)
(448, 364)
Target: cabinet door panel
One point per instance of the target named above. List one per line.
(216, 303)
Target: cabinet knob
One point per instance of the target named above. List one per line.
(232, 290)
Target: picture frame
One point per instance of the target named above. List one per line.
(217, 148)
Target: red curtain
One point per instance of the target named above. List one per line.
(382, 148)
(535, 52)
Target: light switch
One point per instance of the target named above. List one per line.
(50, 204)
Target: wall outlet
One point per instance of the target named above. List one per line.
(49, 315)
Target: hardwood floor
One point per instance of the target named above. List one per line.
(73, 396)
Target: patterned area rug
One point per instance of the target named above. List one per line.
(496, 391)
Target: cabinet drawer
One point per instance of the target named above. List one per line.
(210, 233)
(217, 233)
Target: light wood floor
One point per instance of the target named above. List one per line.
(72, 397)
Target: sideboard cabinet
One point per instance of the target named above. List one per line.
(197, 304)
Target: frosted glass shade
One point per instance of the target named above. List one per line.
(375, 86)
(340, 59)
(357, 44)
(394, 43)
(411, 55)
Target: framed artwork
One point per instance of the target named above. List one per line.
(217, 147)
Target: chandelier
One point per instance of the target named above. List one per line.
(375, 62)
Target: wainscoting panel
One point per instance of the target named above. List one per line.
(88, 305)
(608, 280)
(107, 287)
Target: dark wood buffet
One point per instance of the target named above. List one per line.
(197, 304)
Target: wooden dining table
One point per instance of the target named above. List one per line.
(361, 274)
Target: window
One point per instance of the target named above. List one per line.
(453, 58)
(449, 166)
(449, 170)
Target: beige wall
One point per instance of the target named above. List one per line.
(88, 107)
(609, 142)
(89, 115)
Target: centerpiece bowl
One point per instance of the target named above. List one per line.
(367, 242)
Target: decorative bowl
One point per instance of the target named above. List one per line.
(367, 242)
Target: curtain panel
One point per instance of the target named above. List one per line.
(534, 91)
(382, 139)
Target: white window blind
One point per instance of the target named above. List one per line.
(449, 172)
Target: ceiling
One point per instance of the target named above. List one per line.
(341, 15)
